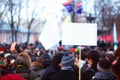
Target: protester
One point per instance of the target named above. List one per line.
(116, 64)
(110, 57)
(53, 68)
(67, 72)
(23, 64)
(104, 72)
(93, 57)
(36, 68)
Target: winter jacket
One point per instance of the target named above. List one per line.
(88, 73)
(107, 75)
(65, 75)
(50, 72)
(23, 72)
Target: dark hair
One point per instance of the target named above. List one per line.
(104, 64)
(57, 58)
(83, 55)
(110, 57)
(115, 67)
(117, 52)
(94, 55)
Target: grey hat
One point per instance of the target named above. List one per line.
(67, 60)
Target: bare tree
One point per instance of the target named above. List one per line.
(105, 10)
(11, 6)
(12, 15)
(19, 18)
(31, 16)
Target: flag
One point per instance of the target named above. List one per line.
(115, 36)
(79, 8)
(68, 6)
(49, 36)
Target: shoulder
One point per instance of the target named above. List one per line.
(99, 75)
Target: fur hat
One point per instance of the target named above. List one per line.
(26, 58)
(67, 60)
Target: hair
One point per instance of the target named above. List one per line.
(57, 58)
(104, 64)
(110, 57)
(94, 55)
(83, 55)
(115, 67)
(35, 66)
(117, 52)
(27, 59)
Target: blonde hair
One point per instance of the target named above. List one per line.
(26, 58)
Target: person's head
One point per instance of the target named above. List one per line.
(115, 67)
(83, 55)
(110, 57)
(23, 59)
(2, 48)
(35, 66)
(57, 59)
(103, 65)
(117, 52)
(2, 65)
(67, 60)
(93, 57)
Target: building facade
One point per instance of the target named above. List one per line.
(6, 34)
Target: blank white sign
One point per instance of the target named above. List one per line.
(79, 34)
(49, 36)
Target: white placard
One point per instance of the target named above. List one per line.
(50, 34)
(79, 34)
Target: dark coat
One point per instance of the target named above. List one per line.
(65, 75)
(107, 75)
(35, 74)
(50, 72)
(88, 73)
(23, 72)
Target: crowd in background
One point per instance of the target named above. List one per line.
(32, 62)
(101, 62)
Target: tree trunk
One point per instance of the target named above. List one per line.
(29, 27)
(16, 31)
(12, 28)
(12, 32)
(12, 23)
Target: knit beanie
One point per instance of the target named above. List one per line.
(67, 60)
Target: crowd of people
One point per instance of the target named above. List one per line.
(33, 62)
(100, 65)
